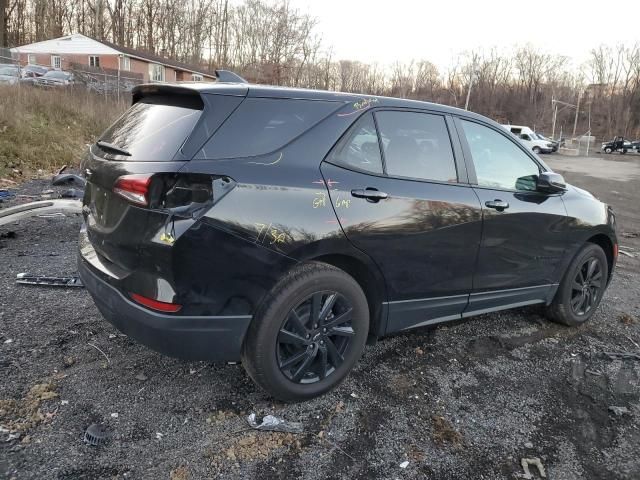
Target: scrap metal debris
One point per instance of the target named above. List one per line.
(525, 462)
(618, 411)
(26, 279)
(622, 355)
(95, 435)
(274, 424)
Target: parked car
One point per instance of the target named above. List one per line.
(530, 139)
(618, 144)
(55, 79)
(554, 144)
(286, 228)
(635, 145)
(30, 73)
(9, 74)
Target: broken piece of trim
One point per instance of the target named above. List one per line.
(41, 207)
(26, 279)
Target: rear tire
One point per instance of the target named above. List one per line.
(308, 333)
(582, 287)
(537, 150)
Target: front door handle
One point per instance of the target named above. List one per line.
(497, 204)
(371, 194)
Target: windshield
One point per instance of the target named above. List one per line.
(59, 75)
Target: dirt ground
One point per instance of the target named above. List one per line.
(465, 400)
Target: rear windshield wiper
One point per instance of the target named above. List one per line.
(112, 147)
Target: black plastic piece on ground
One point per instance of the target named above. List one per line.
(95, 435)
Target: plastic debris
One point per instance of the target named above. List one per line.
(159, 436)
(274, 424)
(114, 415)
(618, 411)
(95, 435)
(525, 462)
(404, 464)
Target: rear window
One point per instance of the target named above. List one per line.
(262, 125)
(153, 129)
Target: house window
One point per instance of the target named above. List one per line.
(196, 77)
(56, 61)
(94, 61)
(125, 63)
(156, 72)
(31, 59)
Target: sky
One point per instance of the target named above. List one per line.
(390, 30)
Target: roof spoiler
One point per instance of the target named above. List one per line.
(229, 77)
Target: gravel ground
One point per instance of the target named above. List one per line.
(465, 400)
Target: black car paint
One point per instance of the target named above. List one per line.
(430, 252)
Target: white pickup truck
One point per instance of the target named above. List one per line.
(530, 139)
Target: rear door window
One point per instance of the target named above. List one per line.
(416, 145)
(262, 125)
(153, 129)
(359, 148)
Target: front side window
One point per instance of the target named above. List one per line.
(498, 161)
(359, 148)
(416, 145)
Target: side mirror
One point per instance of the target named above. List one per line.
(550, 182)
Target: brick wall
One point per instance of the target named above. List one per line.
(111, 62)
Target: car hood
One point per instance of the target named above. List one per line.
(581, 192)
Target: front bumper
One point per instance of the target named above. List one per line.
(211, 338)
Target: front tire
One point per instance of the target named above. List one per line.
(582, 287)
(537, 150)
(608, 150)
(308, 334)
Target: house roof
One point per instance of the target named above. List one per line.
(78, 44)
(150, 57)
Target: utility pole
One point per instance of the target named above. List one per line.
(575, 122)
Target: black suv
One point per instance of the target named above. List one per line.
(286, 228)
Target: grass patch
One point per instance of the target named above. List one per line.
(45, 129)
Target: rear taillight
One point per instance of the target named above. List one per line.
(155, 304)
(134, 188)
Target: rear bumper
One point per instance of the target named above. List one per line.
(212, 338)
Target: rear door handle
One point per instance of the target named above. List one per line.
(497, 204)
(371, 194)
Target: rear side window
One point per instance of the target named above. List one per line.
(359, 148)
(262, 125)
(153, 129)
(416, 145)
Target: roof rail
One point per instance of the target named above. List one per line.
(227, 76)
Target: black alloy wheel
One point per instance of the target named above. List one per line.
(586, 286)
(315, 337)
(581, 288)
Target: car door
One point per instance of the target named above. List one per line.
(401, 197)
(523, 236)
